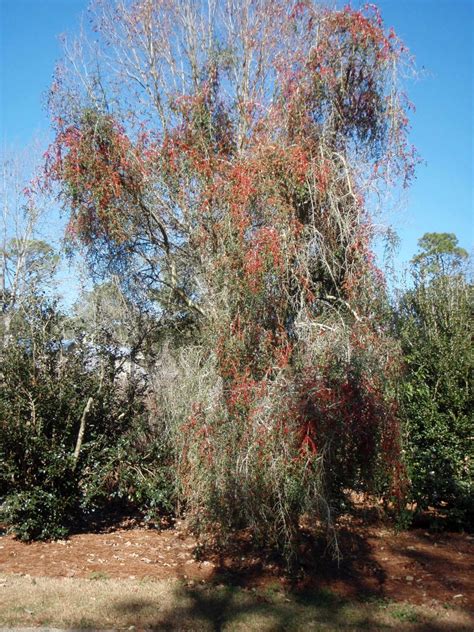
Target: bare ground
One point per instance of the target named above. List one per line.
(427, 576)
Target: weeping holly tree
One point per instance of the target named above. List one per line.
(219, 157)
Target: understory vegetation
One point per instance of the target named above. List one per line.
(240, 358)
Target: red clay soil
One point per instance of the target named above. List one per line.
(414, 566)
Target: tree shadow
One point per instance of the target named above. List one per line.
(355, 574)
(253, 586)
(446, 570)
(212, 609)
(252, 589)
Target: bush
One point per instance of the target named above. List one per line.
(50, 475)
(434, 324)
(282, 448)
(37, 514)
(135, 472)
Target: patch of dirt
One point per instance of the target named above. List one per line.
(415, 566)
(135, 553)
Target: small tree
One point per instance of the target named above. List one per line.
(434, 322)
(219, 159)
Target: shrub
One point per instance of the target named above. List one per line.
(135, 471)
(37, 514)
(72, 435)
(285, 449)
(434, 324)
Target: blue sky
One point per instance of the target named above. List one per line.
(438, 32)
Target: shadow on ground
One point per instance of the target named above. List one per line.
(355, 574)
(250, 592)
(215, 609)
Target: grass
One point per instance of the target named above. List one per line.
(98, 575)
(174, 605)
(404, 612)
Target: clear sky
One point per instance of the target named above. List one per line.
(438, 32)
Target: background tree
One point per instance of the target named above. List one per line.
(435, 327)
(27, 261)
(439, 255)
(217, 156)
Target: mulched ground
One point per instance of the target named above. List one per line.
(415, 566)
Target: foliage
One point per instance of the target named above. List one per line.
(37, 514)
(231, 188)
(135, 471)
(439, 256)
(64, 411)
(434, 323)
